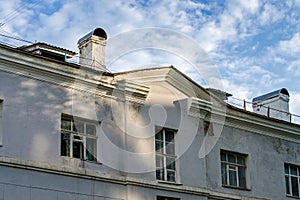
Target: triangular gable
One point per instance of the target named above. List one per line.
(172, 76)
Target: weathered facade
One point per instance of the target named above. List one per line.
(76, 132)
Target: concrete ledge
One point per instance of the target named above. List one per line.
(117, 178)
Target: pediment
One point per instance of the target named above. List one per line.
(172, 77)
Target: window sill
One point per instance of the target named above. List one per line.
(292, 197)
(78, 159)
(238, 188)
(168, 182)
(93, 162)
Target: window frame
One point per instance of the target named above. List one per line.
(159, 197)
(80, 137)
(1, 123)
(166, 167)
(289, 175)
(235, 169)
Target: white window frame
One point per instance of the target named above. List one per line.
(162, 153)
(79, 137)
(233, 168)
(288, 179)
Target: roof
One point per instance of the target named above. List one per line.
(271, 95)
(44, 46)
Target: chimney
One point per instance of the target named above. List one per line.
(274, 104)
(92, 49)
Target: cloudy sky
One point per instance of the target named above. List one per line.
(253, 44)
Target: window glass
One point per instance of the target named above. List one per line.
(287, 185)
(65, 144)
(223, 157)
(170, 148)
(171, 176)
(90, 129)
(224, 173)
(231, 158)
(159, 162)
(159, 136)
(160, 174)
(90, 149)
(293, 170)
(171, 163)
(165, 155)
(286, 169)
(66, 124)
(232, 178)
(77, 149)
(240, 160)
(169, 136)
(295, 187)
(242, 177)
(78, 127)
(159, 146)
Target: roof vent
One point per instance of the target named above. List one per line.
(274, 104)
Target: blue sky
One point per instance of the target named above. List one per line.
(254, 44)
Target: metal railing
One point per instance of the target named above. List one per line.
(263, 110)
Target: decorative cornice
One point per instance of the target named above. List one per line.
(198, 107)
(244, 120)
(67, 75)
(262, 125)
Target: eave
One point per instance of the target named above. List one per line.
(68, 75)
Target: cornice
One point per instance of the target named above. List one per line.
(262, 125)
(79, 78)
(244, 120)
(198, 107)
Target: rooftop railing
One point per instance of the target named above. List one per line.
(269, 111)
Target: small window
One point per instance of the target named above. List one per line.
(166, 198)
(292, 179)
(233, 169)
(78, 139)
(165, 155)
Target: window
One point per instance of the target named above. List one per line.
(166, 198)
(292, 178)
(233, 169)
(1, 104)
(165, 155)
(78, 139)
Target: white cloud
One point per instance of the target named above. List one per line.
(295, 106)
(294, 68)
(271, 14)
(228, 31)
(291, 46)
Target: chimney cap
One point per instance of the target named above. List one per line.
(97, 32)
(271, 95)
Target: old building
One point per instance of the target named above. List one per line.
(76, 131)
